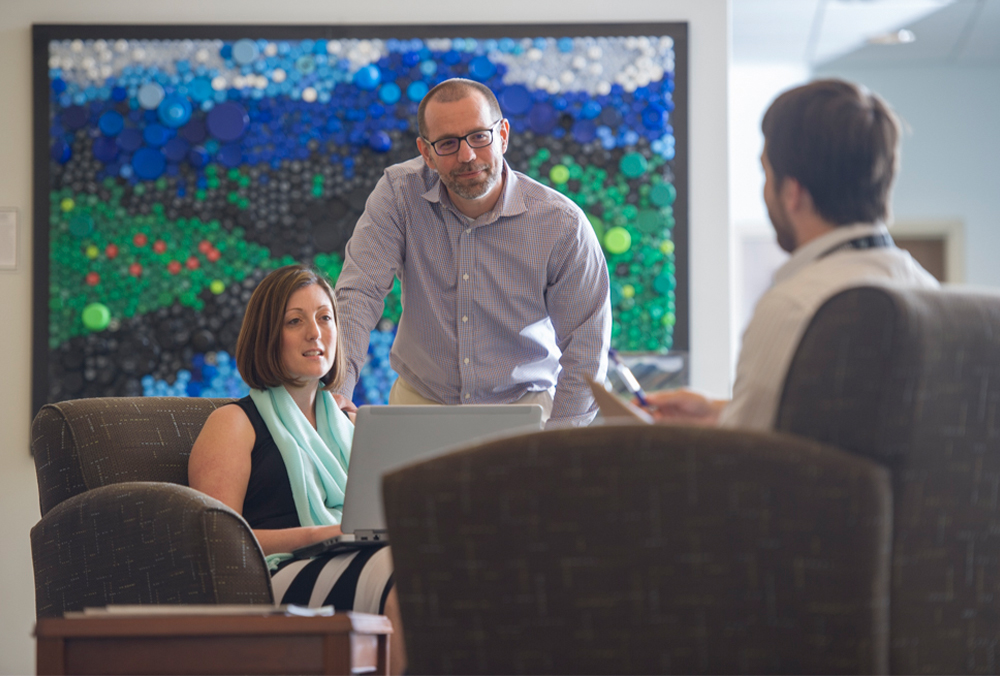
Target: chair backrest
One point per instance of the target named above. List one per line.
(911, 379)
(83, 444)
(642, 549)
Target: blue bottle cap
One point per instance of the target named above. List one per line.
(200, 89)
(584, 131)
(74, 117)
(428, 68)
(367, 77)
(176, 149)
(244, 51)
(543, 118)
(417, 90)
(155, 135)
(611, 117)
(515, 100)
(148, 163)
(129, 139)
(194, 131)
(174, 111)
(590, 110)
(105, 149)
(150, 95)
(481, 68)
(380, 142)
(227, 121)
(390, 93)
(111, 123)
(61, 151)
(654, 117)
(305, 64)
(198, 157)
(230, 155)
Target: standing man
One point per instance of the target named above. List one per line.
(505, 288)
(830, 157)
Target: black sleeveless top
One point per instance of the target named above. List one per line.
(268, 502)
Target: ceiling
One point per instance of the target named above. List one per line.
(818, 32)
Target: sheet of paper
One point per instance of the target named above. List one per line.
(614, 407)
(163, 610)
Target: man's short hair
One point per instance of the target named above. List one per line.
(258, 348)
(841, 143)
(455, 89)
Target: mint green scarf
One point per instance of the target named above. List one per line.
(316, 459)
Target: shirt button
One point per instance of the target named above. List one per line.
(465, 276)
(468, 231)
(466, 360)
(465, 319)
(467, 395)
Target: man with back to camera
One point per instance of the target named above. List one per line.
(505, 287)
(830, 156)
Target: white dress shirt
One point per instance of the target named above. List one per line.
(815, 273)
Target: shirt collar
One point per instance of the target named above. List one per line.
(817, 248)
(511, 202)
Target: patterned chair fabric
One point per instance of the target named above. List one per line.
(911, 379)
(643, 549)
(119, 524)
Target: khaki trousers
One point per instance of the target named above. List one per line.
(403, 394)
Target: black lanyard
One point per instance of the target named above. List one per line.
(880, 241)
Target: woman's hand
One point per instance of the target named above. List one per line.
(281, 540)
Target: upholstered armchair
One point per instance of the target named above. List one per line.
(863, 536)
(642, 549)
(911, 379)
(119, 524)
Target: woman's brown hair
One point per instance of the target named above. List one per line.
(258, 348)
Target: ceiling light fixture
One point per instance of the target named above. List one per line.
(900, 37)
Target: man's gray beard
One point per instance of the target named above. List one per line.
(476, 191)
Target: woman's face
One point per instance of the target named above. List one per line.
(308, 335)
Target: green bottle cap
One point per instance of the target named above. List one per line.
(81, 225)
(649, 221)
(663, 194)
(559, 174)
(617, 240)
(633, 165)
(96, 316)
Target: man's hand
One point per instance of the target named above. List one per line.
(346, 405)
(684, 407)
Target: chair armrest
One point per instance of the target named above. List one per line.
(144, 543)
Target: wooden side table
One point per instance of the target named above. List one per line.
(346, 643)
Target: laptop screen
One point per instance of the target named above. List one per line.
(387, 437)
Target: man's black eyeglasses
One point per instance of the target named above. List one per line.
(476, 139)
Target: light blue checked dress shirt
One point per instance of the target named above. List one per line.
(515, 301)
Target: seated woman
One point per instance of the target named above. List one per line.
(280, 456)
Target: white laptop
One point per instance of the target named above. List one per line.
(388, 437)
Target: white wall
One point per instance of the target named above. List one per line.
(950, 166)
(755, 253)
(709, 56)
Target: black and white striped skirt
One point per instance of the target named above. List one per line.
(358, 581)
